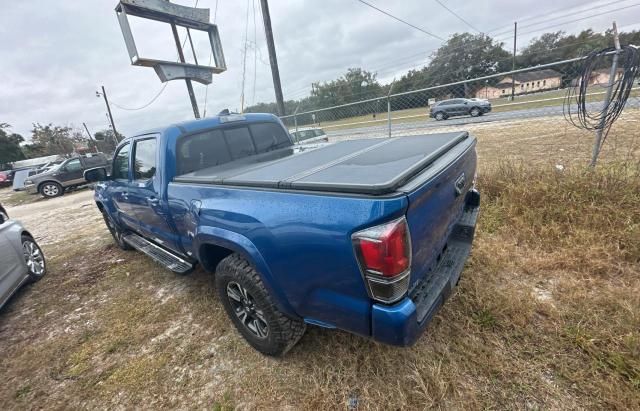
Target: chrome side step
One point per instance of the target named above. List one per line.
(158, 254)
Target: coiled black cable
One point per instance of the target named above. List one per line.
(576, 109)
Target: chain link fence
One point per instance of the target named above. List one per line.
(520, 105)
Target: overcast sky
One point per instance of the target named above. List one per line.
(54, 55)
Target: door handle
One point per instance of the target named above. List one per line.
(153, 201)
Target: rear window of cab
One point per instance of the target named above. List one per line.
(225, 144)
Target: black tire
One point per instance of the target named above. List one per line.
(34, 257)
(475, 112)
(440, 116)
(279, 332)
(50, 189)
(116, 232)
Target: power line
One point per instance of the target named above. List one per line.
(300, 91)
(400, 20)
(154, 98)
(458, 16)
(549, 12)
(573, 13)
(255, 54)
(244, 57)
(164, 86)
(580, 19)
(206, 89)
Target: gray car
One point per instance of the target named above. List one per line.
(444, 109)
(21, 259)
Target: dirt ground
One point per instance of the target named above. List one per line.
(547, 314)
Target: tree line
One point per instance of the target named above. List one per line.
(49, 139)
(463, 56)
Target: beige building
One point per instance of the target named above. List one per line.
(601, 77)
(529, 82)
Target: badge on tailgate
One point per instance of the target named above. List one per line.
(459, 184)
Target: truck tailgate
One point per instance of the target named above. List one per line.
(436, 203)
(374, 166)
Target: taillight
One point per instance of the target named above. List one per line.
(384, 255)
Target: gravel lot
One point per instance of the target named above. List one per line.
(546, 315)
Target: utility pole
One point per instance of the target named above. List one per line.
(275, 73)
(192, 96)
(597, 142)
(513, 63)
(113, 125)
(88, 133)
(95, 146)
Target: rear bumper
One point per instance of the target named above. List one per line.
(403, 322)
(31, 189)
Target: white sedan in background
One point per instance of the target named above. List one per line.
(309, 135)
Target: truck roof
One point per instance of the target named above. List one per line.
(191, 126)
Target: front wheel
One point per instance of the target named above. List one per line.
(34, 258)
(252, 310)
(475, 112)
(51, 189)
(115, 231)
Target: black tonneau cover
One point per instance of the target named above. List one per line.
(373, 166)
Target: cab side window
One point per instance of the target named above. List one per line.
(73, 165)
(144, 160)
(121, 163)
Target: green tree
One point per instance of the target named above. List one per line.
(10, 145)
(355, 85)
(466, 56)
(49, 139)
(544, 49)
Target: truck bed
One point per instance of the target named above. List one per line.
(370, 166)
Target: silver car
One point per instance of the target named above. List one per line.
(21, 259)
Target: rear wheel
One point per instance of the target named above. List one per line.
(475, 112)
(252, 310)
(51, 189)
(34, 257)
(440, 116)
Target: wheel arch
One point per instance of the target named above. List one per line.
(27, 233)
(214, 244)
(41, 183)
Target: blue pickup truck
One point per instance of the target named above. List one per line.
(368, 236)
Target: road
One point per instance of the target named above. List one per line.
(429, 123)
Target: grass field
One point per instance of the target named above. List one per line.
(546, 316)
(524, 102)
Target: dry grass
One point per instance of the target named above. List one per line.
(547, 314)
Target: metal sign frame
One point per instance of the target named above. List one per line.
(176, 15)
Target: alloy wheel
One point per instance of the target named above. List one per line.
(50, 190)
(244, 307)
(33, 257)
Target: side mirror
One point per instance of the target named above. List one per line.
(94, 175)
